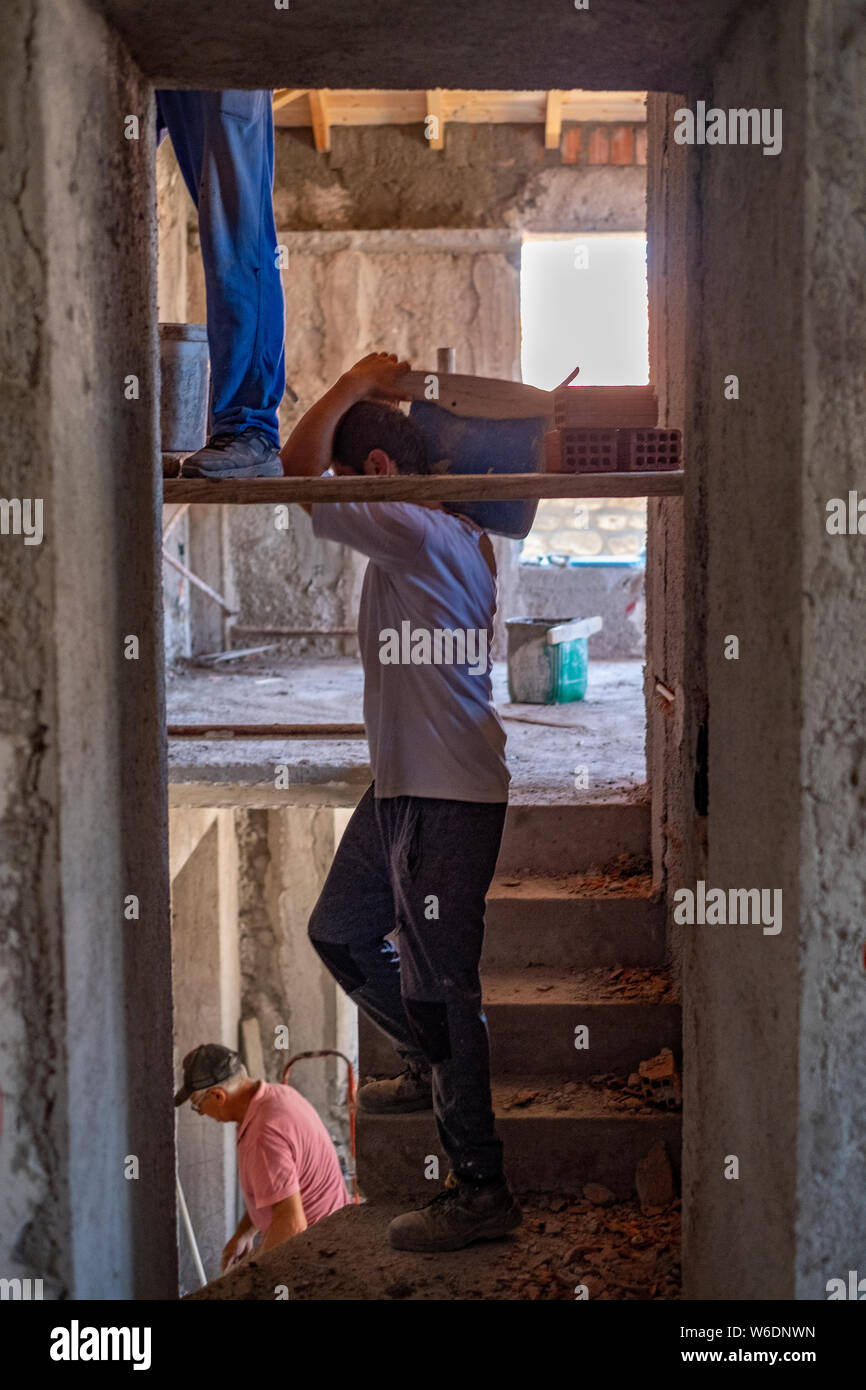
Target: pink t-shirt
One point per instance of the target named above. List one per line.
(284, 1148)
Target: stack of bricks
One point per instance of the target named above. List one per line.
(589, 143)
(609, 429)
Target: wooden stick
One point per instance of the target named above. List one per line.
(229, 731)
(482, 397)
(465, 487)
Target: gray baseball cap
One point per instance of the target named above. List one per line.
(205, 1066)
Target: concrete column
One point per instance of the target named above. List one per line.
(674, 545)
(206, 1004)
(86, 1030)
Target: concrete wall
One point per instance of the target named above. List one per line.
(770, 1021)
(676, 528)
(831, 1223)
(206, 988)
(85, 1037)
(504, 44)
(174, 207)
(486, 177)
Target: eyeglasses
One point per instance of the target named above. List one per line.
(198, 1103)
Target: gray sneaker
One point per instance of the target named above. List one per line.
(250, 454)
(411, 1090)
(458, 1215)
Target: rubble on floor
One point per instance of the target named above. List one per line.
(613, 1249)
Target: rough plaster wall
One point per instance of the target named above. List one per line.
(86, 994)
(204, 967)
(34, 1229)
(831, 1220)
(494, 176)
(321, 1015)
(501, 44)
(740, 986)
(346, 295)
(615, 592)
(671, 727)
(174, 207)
(284, 857)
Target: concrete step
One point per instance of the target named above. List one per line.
(557, 839)
(554, 1142)
(576, 920)
(532, 1016)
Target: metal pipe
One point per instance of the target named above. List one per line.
(199, 583)
(184, 1213)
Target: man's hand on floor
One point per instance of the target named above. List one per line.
(238, 1249)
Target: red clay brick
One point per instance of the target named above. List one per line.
(622, 145)
(599, 146)
(640, 145)
(571, 145)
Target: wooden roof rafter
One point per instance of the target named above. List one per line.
(434, 109)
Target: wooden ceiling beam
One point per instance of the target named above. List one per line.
(284, 95)
(321, 123)
(553, 120)
(435, 120)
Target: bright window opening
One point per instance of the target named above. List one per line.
(583, 302)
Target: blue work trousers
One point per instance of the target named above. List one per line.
(224, 143)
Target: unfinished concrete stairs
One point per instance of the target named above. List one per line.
(567, 947)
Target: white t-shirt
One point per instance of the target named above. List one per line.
(429, 595)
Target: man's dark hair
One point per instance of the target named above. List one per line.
(375, 425)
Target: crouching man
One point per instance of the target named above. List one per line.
(420, 849)
(287, 1164)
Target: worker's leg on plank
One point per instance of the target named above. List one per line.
(224, 143)
(349, 927)
(443, 854)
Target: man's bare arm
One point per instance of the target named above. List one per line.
(308, 451)
(288, 1220)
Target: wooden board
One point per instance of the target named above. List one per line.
(482, 397)
(467, 487)
(230, 731)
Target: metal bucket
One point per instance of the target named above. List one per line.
(184, 386)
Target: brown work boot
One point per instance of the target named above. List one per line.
(458, 1215)
(411, 1090)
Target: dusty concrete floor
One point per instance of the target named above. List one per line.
(605, 732)
(614, 1250)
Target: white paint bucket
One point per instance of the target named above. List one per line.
(184, 385)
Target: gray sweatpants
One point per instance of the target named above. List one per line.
(420, 867)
